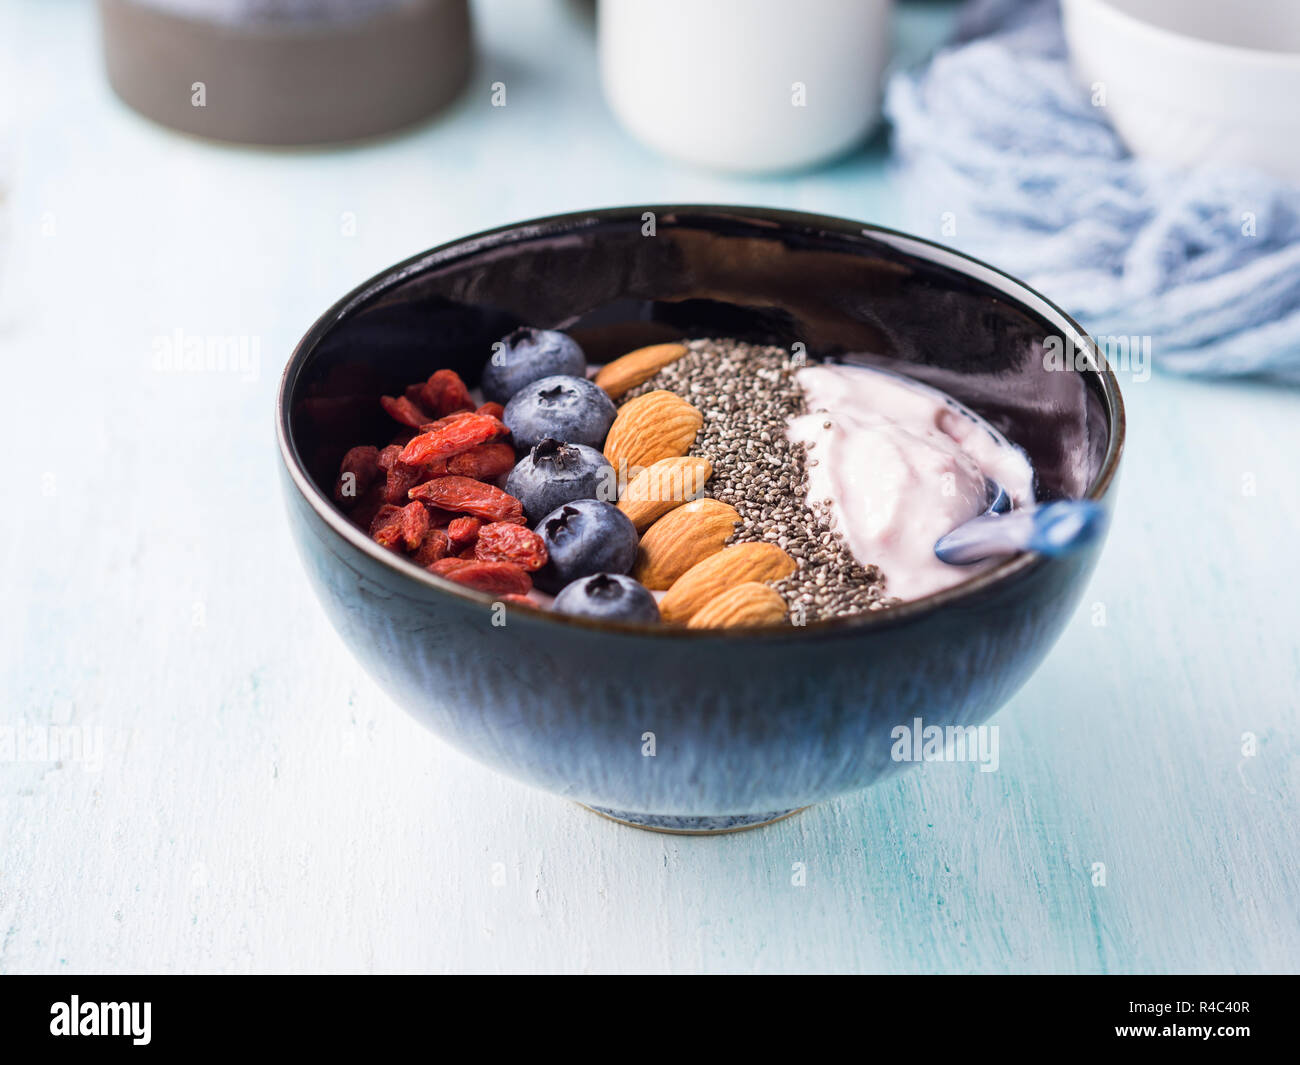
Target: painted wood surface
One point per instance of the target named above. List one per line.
(249, 801)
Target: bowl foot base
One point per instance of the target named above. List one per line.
(676, 825)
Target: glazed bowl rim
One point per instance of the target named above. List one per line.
(501, 236)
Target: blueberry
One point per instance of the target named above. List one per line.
(553, 474)
(571, 409)
(525, 356)
(608, 597)
(584, 537)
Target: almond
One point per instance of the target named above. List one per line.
(637, 367)
(665, 486)
(731, 566)
(681, 538)
(658, 425)
(751, 603)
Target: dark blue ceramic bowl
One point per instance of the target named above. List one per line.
(661, 727)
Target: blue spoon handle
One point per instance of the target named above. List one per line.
(1051, 529)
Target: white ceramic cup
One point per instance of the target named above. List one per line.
(745, 85)
(1194, 81)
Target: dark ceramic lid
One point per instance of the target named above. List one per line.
(249, 13)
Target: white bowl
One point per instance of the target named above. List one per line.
(745, 85)
(1192, 81)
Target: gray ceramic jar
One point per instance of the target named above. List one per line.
(286, 72)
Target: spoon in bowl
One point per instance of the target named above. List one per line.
(1049, 528)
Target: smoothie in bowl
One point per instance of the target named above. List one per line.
(745, 641)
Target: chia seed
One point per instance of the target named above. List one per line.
(747, 395)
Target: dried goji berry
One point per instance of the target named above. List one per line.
(436, 468)
(384, 516)
(504, 542)
(403, 410)
(466, 552)
(386, 526)
(428, 427)
(415, 525)
(484, 463)
(388, 456)
(463, 532)
(494, 409)
(495, 578)
(357, 472)
(434, 547)
(401, 479)
(439, 518)
(451, 436)
(468, 496)
(445, 393)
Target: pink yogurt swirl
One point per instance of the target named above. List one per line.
(900, 464)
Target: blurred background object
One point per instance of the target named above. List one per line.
(1195, 81)
(8, 163)
(1004, 154)
(6, 177)
(286, 72)
(745, 85)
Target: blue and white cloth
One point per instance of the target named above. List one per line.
(1205, 261)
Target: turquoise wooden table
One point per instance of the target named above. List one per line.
(195, 775)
